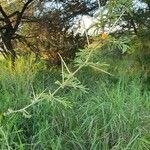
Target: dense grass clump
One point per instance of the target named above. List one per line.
(113, 114)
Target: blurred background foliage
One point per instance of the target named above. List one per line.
(48, 27)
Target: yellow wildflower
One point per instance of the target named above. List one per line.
(104, 35)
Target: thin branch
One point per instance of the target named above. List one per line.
(13, 14)
(6, 18)
(19, 17)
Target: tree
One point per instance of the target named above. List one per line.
(54, 23)
(8, 29)
(53, 16)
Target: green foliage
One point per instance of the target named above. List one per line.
(16, 84)
(112, 115)
(76, 107)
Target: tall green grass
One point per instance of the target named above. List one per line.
(113, 115)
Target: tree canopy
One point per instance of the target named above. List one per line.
(43, 16)
(43, 26)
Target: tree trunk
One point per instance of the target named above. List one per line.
(11, 52)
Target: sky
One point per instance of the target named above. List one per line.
(87, 21)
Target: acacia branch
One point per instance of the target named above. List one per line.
(11, 15)
(6, 17)
(20, 15)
